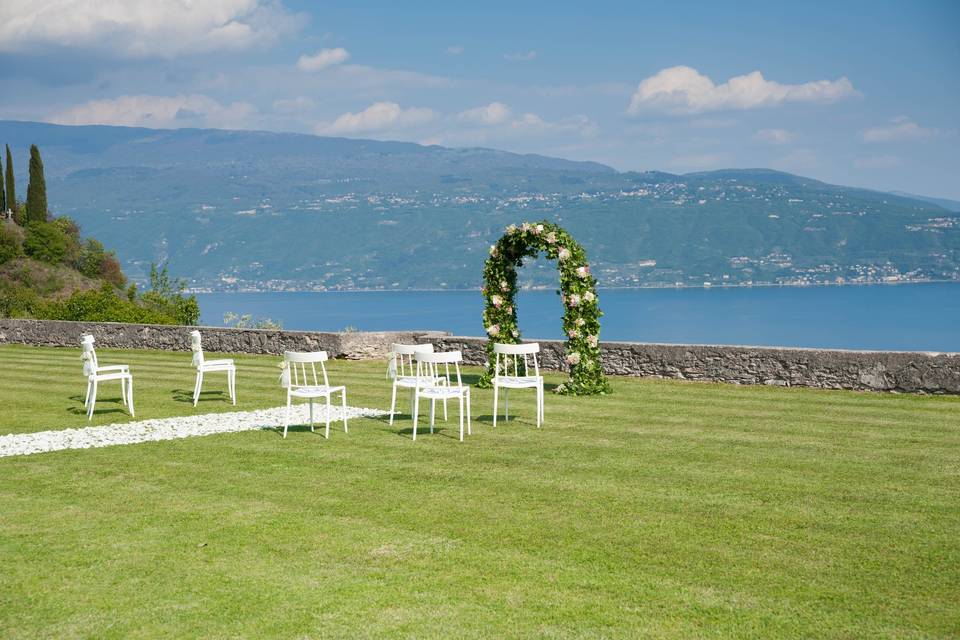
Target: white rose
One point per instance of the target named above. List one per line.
(564, 254)
(573, 358)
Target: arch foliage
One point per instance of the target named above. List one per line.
(581, 317)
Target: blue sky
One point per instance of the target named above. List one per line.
(857, 93)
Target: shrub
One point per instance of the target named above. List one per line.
(91, 258)
(110, 271)
(10, 244)
(46, 242)
(166, 297)
(71, 230)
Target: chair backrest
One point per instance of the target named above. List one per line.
(429, 364)
(197, 347)
(509, 357)
(401, 359)
(89, 355)
(302, 368)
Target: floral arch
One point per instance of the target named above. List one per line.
(581, 317)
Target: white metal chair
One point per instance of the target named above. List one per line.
(403, 370)
(428, 364)
(300, 379)
(97, 373)
(509, 358)
(207, 366)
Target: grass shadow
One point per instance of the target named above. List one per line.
(98, 410)
(182, 395)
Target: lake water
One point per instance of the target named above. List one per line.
(899, 317)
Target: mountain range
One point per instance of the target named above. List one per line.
(278, 211)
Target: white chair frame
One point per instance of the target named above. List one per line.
(428, 364)
(209, 366)
(403, 370)
(301, 381)
(515, 354)
(97, 373)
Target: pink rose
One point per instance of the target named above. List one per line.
(573, 300)
(572, 333)
(552, 237)
(573, 358)
(564, 254)
(493, 329)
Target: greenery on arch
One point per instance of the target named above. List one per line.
(581, 317)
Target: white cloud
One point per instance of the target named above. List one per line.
(158, 111)
(493, 113)
(523, 56)
(900, 129)
(323, 59)
(532, 123)
(294, 105)
(878, 162)
(137, 28)
(684, 90)
(378, 117)
(774, 136)
(455, 50)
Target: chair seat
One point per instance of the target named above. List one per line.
(314, 392)
(518, 382)
(116, 375)
(217, 365)
(443, 391)
(411, 381)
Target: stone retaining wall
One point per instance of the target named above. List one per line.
(355, 346)
(912, 372)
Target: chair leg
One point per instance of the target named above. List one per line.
(539, 405)
(93, 400)
(393, 403)
(416, 413)
(196, 393)
(286, 419)
(232, 380)
(311, 414)
(444, 409)
(327, 434)
(123, 391)
(496, 398)
(460, 398)
(343, 400)
(433, 407)
(86, 400)
(469, 431)
(130, 397)
(506, 404)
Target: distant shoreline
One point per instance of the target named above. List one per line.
(766, 285)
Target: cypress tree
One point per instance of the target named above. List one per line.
(36, 188)
(11, 187)
(3, 194)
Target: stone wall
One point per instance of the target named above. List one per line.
(910, 372)
(58, 333)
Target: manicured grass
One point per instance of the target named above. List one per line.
(668, 509)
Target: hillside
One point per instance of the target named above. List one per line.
(256, 210)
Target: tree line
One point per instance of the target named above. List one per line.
(32, 240)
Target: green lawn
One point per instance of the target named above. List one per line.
(668, 509)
